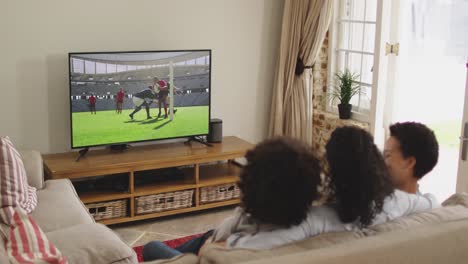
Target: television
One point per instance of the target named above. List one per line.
(118, 98)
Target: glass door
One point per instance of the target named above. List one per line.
(426, 78)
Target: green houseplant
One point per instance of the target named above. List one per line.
(345, 87)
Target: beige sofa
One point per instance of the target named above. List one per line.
(67, 223)
(437, 236)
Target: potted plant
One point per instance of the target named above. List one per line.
(345, 87)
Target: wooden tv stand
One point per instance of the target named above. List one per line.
(203, 166)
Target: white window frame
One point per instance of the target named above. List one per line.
(362, 116)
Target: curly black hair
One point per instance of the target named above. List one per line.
(418, 141)
(279, 182)
(359, 180)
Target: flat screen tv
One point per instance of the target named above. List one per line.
(125, 97)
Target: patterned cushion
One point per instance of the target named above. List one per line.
(14, 188)
(27, 243)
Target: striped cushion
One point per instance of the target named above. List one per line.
(14, 188)
(26, 243)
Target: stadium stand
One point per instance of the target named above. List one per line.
(181, 100)
(185, 83)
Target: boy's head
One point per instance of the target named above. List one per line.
(410, 153)
(279, 182)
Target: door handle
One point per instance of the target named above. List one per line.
(464, 140)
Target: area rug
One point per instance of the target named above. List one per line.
(171, 243)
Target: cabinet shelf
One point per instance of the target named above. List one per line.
(92, 197)
(218, 174)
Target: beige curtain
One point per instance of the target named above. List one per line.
(305, 24)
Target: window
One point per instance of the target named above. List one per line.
(77, 65)
(200, 61)
(121, 68)
(352, 46)
(90, 67)
(100, 68)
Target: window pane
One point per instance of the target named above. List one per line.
(355, 102)
(361, 102)
(354, 62)
(367, 68)
(200, 61)
(348, 60)
(341, 60)
(366, 93)
(78, 65)
(352, 9)
(369, 40)
(371, 10)
(89, 67)
(100, 67)
(111, 68)
(351, 36)
(121, 68)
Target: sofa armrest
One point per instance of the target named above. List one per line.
(34, 168)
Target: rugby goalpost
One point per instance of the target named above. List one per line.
(171, 90)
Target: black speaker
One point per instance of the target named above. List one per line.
(216, 131)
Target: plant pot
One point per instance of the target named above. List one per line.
(345, 111)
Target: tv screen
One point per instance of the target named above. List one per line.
(125, 97)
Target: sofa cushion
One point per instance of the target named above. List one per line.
(444, 243)
(91, 243)
(455, 208)
(14, 188)
(216, 254)
(435, 216)
(34, 168)
(27, 243)
(59, 206)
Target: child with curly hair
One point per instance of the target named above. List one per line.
(278, 185)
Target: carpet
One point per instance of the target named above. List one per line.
(171, 243)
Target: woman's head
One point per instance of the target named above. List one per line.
(279, 182)
(359, 179)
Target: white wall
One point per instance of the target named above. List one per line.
(35, 37)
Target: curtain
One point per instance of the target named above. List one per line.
(305, 24)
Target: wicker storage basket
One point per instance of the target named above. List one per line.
(108, 210)
(222, 192)
(163, 202)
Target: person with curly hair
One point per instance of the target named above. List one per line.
(411, 152)
(278, 185)
(361, 193)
